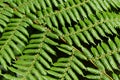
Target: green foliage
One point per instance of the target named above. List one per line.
(59, 40)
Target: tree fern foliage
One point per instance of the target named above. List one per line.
(59, 40)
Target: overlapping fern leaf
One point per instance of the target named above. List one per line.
(59, 40)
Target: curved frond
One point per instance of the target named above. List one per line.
(64, 70)
(27, 68)
(13, 41)
(36, 57)
(41, 43)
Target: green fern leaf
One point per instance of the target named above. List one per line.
(59, 40)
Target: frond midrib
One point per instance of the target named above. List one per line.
(65, 9)
(30, 67)
(110, 53)
(92, 26)
(10, 38)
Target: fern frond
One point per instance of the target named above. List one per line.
(88, 29)
(108, 54)
(71, 50)
(13, 38)
(105, 56)
(38, 46)
(63, 68)
(67, 10)
(59, 40)
(41, 43)
(28, 68)
(71, 10)
(67, 67)
(5, 13)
